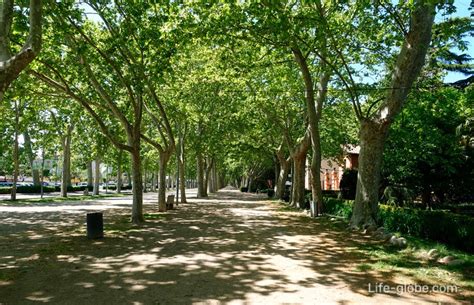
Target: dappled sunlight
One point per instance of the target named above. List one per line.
(232, 251)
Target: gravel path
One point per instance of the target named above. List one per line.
(232, 248)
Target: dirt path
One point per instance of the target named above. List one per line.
(233, 248)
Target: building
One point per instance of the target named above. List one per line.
(332, 169)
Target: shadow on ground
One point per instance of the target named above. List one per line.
(230, 248)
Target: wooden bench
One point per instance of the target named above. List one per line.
(169, 202)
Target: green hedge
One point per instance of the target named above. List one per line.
(338, 207)
(28, 189)
(35, 189)
(446, 227)
(442, 226)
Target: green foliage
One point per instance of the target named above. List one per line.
(442, 226)
(337, 207)
(446, 227)
(28, 189)
(424, 153)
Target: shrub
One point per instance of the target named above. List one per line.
(442, 226)
(348, 184)
(30, 189)
(337, 207)
(446, 227)
(5, 190)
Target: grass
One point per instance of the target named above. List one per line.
(59, 199)
(411, 261)
(414, 261)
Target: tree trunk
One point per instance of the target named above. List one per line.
(31, 157)
(119, 172)
(16, 161)
(210, 179)
(90, 176)
(182, 174)
(314, 107)
(298, 156)
(214, 177)
(298, 195)
(202, 190)
(66, 171)
(316, 191)
(284, 165)
(11, 66)
(153, 182)
(162, 182)
(95, 190)
(137, 186)
(372, 137)
(373, 130)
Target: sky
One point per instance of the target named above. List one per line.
(462, 11)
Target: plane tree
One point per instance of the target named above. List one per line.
(13, 59)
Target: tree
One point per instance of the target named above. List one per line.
(11, 66)
(375, 120)
(423, 152)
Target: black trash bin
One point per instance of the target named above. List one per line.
(95, 226)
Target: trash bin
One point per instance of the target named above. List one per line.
(95, 226)
(312, 206)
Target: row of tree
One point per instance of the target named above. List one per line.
(235, 86)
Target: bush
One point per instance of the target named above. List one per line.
(348, 184)
(338, 207)
(442, 226)
(244, 189)
(27, 189)
(446, 227)
(5, 190)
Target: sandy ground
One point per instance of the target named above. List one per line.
(232, 248)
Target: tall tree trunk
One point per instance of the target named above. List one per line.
(90, 175)
(66, 171)
(372, 138)
(210, 178)
(206, 181)
(153, 182)
(144, 175)
(182, 168)
(314, 107)
(214, 177)
(202, 190)
(119, 172)
(284, 165)
(137, 185)
(298, 195)
(31, 157)
(299, 171)
(95, 190)
(374, 127)
(16, 157)
(11, 66)
(162, 182)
